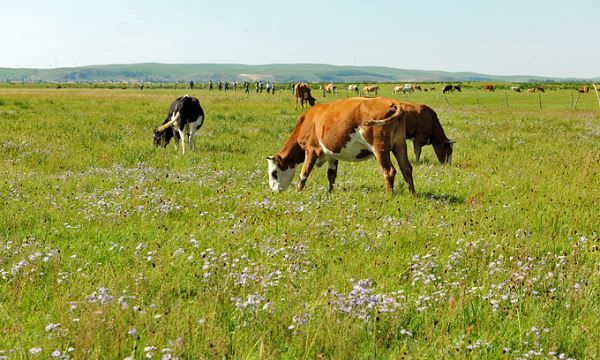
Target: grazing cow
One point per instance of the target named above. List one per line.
(353, 88)
(424, 128)
(184, 118)
(407, 88)
(447, 88)
(302, 93)
(418, 87)
(369, 89)
(398, 89)
(456, 88)
(329, 88)
(540, 89)
(531, 90)
(515, 89)
(352, 129)
(584, 90)
(489, 87)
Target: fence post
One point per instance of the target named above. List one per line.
(577, 99)
(571, 100)
(540, 97)
(506, 99)
(596, 90)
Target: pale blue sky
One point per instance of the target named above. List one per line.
(536, 37)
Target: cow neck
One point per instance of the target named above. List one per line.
(291, 154)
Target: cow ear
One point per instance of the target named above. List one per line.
(271, 158)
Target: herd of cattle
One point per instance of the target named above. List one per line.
(351, 129)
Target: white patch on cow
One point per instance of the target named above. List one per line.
(351, 151)
(279, 179)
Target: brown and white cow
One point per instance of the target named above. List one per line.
(302, 93)
(352, 88)
(369, 89)
(329, 88)
(352, 129)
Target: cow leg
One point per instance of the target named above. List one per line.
(389, 173)
(417, 146)
(332, 173)
(402, 157)
(181, 139)
(309, 163)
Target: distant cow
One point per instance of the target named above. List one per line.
(329, 88)
(369, 89)
(398, 89)
(352, 88)
(448, 88)
(531, 90)
(407, 88)
(583, 90)
(515, 89)
(418, 87)
(540, 89)
(489, 87)
(424, 128)
(184, 118)
(352, 129)
(302, 93)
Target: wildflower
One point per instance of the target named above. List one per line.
(133, 333)
(52, 327)
(35, 350)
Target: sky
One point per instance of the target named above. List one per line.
(527, 37)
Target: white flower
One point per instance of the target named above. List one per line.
(35, 351)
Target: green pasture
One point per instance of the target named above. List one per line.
(111, 248)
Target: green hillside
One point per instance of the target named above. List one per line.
(154, 72)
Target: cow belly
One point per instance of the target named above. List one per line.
(356, 149)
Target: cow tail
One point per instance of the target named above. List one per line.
(385, 121)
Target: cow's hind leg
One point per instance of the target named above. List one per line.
(402, 157)
(332, 173)
(389, 173)
(417, 146)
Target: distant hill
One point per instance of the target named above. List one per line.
(155, 72)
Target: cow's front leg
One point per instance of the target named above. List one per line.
(309, 163)
(332, 173)
(181, 139)
(389, 172)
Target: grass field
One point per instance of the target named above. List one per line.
(111, 248)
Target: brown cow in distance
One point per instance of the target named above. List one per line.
(302, 93)
(489, 87)
(370, 88)
(352, 129)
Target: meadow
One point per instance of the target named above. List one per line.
(111, 248)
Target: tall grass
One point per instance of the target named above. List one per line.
(111, 248)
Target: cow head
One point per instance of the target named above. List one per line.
(162, 138)
(280, 177)
(311, 100)
(448, 149)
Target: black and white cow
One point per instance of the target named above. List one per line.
(185, 117)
